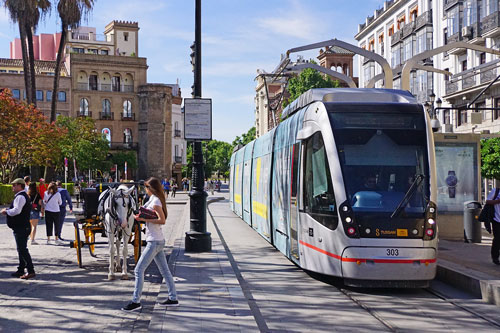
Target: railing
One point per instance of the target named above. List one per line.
(423, 19)
(396, 37)
(84, 114)
(130, 116)
(90, 37)
(449, 3)
(123, 145)
(473, 77)
(128, 88)
(177, 133)
(82, 86)
(490, 22)
(105, 87)
(106, 115)
(178, 159)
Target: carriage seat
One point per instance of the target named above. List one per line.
(90, 202)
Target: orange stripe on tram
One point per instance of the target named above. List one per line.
(381, 261)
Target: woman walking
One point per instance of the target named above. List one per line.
(36, 207)
(154, 248)
(52, 200)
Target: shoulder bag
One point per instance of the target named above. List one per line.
(488, 213)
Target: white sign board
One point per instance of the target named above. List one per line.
(198, 118)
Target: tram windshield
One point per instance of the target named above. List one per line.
(384, 159)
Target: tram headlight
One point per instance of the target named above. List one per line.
(431, 221)
(348, 219)
(415, 232)
(367, 230)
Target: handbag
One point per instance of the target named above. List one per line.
(147, 214)
(488, 213)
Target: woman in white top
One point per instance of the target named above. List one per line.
(154, 248)
(52, 200)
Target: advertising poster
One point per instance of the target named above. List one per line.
(456, 167)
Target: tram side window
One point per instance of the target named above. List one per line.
(319, 198)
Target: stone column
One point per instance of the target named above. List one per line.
(155, 131)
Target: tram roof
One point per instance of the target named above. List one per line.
(349, 95)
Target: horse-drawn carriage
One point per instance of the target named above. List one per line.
(108, 209)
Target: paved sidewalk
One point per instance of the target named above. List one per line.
(64, 297)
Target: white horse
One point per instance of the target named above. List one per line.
(118, 206)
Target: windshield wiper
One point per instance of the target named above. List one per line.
(416, 183)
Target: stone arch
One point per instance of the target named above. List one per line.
(105, 80)
(128, 82)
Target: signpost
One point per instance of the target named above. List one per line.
(198, 119)
(65, 173)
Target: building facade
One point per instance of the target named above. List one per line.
(403, 29)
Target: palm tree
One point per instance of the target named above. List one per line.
(70, 13)
(27, 14)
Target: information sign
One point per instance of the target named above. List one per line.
(198, 119)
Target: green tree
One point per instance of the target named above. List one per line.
(490, 158)
(70, 13)
(121, 157)
(308, 79)
(82, 143)
(245, 138)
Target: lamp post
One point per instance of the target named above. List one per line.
(435, 124)
(197, 238)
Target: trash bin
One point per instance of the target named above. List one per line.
(472, 227)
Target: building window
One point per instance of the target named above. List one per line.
(482, 58)
(106, 107)
(127, 135)
(445, 36)
(462, 117)
(447, 77)
(446, 117)
(496, 112)
(13, 72)
(176, 125)
(453, 21)
(115, 81)
(104, 52)
(464, 65)
(106, 133)
(176, 150)
(61, 96)
(469, 12)
(93, 82)
(127, 108)
(3, 71)
(488, 7)
(413, 14)
(84, 107)
(93, 51)
(401, 22)
(125, 36)
(39, 95)
(408, 48)
(16, 93)
(49, 95)
(396, 55)
(78, 50)
(391, 30)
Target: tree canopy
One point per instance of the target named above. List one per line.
(490, 158)
(245, 138)
(26, 138)
(309, 78)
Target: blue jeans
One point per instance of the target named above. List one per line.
(154, 250)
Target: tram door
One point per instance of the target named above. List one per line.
(294, 217)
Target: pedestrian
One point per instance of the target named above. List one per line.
(211, 186)
(66, 199)
(42, 188)
(494, 199)
(52, 202)
(27, 181)
(174, 189)
(36, 207)
(18, 219)
(154, 248)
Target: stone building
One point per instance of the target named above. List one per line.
(339, 60)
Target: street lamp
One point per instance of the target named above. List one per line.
(432, 112)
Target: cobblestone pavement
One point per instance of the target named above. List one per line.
(65, 297)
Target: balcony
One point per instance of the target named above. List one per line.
(90, 37)
(424, 19)
(178, 159)
(128, 117)
(490, 25)
(177, 133)
(106, 116)
(396, 37)
(408, 29)
(474, 77)
(124, 145)
(450, 3)
(105, 87)
(84, 114)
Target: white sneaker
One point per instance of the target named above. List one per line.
(33, 242)
(59, 242)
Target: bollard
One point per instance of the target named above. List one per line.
(472, 227)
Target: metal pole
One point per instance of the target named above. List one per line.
(197, 238)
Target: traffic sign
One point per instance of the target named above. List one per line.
(198, 119)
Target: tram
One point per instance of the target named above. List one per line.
(345, 186)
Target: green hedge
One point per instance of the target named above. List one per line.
(6, 194)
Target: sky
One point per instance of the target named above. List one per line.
(238, 37)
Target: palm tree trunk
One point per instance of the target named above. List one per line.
(27, 77)
(29, 35)
(57, 73)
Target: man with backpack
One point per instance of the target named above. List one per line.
(494, 200)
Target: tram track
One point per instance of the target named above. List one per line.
(356, 297)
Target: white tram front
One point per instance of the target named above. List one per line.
(345, 186)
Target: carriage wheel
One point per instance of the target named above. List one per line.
(137, 241)
(92, 243)
(78, 245)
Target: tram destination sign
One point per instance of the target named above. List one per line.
(198, 119)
